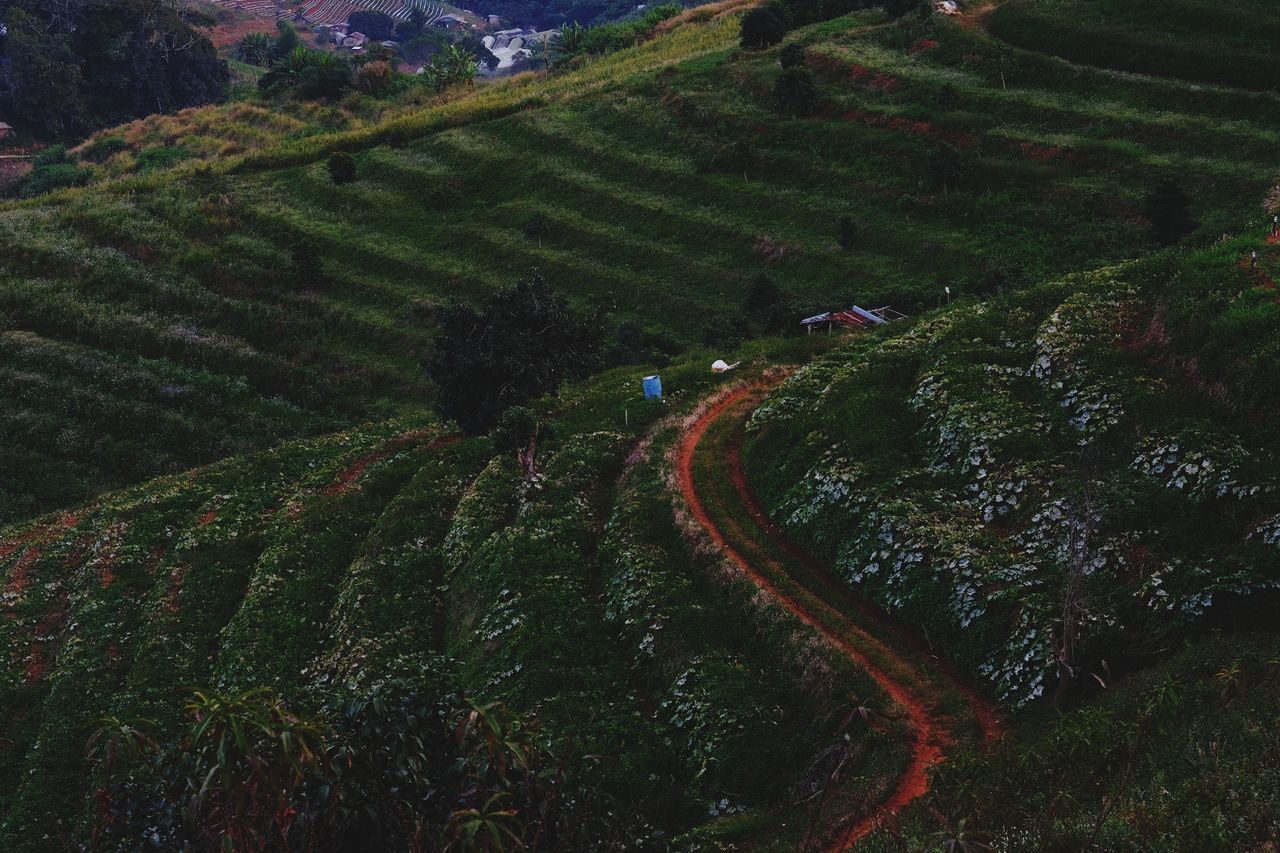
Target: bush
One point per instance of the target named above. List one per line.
(1168, 207)
(792, 56)
(163, 157)
(374, 78)
(846, 233)
(726, 330)
(795, 92)
(52, 156)
(103, 149)
(342, 167)
(58, 176)
(765, 25)
(946, 167)
(765, 305)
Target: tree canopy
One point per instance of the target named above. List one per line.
(68, 67)
(521, 343)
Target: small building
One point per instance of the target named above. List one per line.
(6, 130)
(449, 22)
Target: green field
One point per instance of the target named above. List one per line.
(220, 468)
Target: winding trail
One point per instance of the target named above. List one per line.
(899, 663)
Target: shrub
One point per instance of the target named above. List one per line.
(54, 177)
(765, 25)
(162, 157)
(104, 148)
(792, 56)
(846, 233)
(374, 78)
(946, 167)
(765, 305)
(725, 330)
(342, 167)
(255, 48)
(1168, 207)
(795, 92)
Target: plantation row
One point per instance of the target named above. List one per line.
(325, 568)
(1030, 457)
(264, 8)
(331, 12)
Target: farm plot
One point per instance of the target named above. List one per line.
(330, 12)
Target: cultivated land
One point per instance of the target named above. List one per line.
(1061, 482)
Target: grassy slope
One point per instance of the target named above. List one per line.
(184, 302)
(1199, 40)
(182, 313)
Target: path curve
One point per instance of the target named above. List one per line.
(931, 736)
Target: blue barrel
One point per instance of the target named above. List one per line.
(652, 387)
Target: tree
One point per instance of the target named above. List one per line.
(796, 92)
(521, 343)
(68, 68)
(287, 40)
(342, 167)
(1168, 207)
(765, 25)
(946, 167)
(376, 25)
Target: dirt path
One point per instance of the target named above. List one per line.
(769, 559)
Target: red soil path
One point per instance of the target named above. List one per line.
(931, 736)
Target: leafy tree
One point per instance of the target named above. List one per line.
(521, 343)
(308, 74)
(765, 25)
(342, 167)
(143, 55)
(376, 25)
(946, 167)
(796, 92)
(1168, 207)
(287, 40)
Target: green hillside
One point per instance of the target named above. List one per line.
(998, 575)
(188, 301)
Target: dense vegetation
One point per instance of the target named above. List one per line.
(68, 67)
(1058, 469)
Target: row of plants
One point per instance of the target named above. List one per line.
(1039, 515)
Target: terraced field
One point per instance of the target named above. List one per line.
(330, 12)
(697, 605)
(293, 305)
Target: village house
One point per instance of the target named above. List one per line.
(5, 130)
(450, 22)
